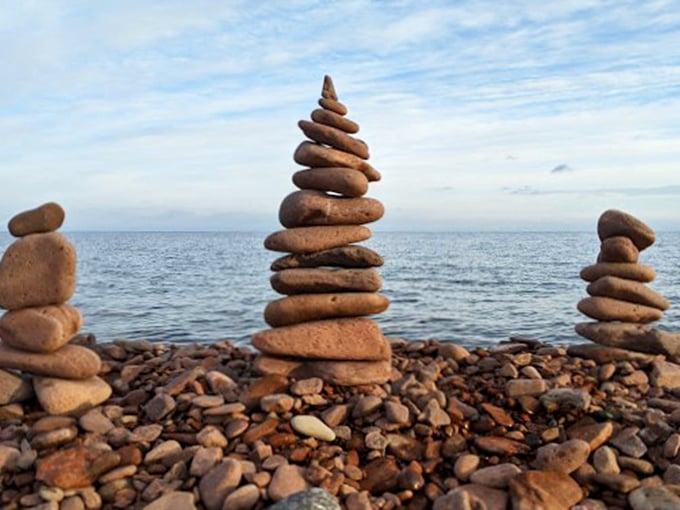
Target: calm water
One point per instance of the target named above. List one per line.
(473, 288)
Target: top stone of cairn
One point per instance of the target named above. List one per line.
(618, 223)
(46, 218)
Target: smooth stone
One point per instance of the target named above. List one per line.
(333, 105)
(608, 309)
(616, 482)
(595, 434)
(328, 89)
(346, 256)
(344, 373)
(64, 396)
(335, 339)
(287, 480)
(653, 498)
(628, 442)
(544, 489)
(319, 281)
(312, 499)
(330, 118)
(665, 375)
(520, 387)
(311, 426)
(345, 181)
(501, 445)
(37, 270)
(474, 496)
(309, 386)
(306, 208)
(496, 476)
(314, 155)
(204, 460)
(627, 290)
(335, 138)
(605, 461)
(13, 388)
(45, 218)
(217, 483)
(618, 249)
(71, 468)
(564, 458)
(69, 362)
(302, 308)
(465, 466)
(9, 457)
(565, 398)
(637, 272)
(95, 421)
(603, 354)
(614, 223)
(636, 337)
(243, 498)
(159, 406)
(40, 329)
(173, 501)
(313, 239)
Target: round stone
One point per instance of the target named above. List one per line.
(45, 218)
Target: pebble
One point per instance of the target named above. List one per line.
(496, 476)
(173, 501)
(525, 387)
(605, 461)
(311, 426)
(217, 483)
(287, 480)
(465, 466)
(628, 442)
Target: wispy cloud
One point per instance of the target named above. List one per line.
(561, 168)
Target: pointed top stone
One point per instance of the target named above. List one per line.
(328, 90)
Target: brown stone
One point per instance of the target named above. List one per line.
(595, 434)
(636, 337)
(37, 270)
(627, 290)
(260, 430)
(314, 239)
(501, 445)
(219, 482)
(564, 458)
(70, 468)
(307, 208)
(69, 362)
(602, 354)
(618, 223)
(381, 476)
(315, 155)
(273, 383)
(315, 307)
(286, 481)
(333, 105)
(40, 329)
(315, 281)
(345, 373)
(335, 339)
(345, 256)
(13, 388)
(637, 272)
(336, 138)
(328, 89)
(345, 181)
(618, 249)
(63, 396)
(608, 309)
(330, 118)
(544, 489)
(46, 218)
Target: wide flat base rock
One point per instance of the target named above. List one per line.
(308, 208)
(345, 256)
(13, 388)
(313, 239)
(344, 373)
(609, 309)
(627, 290)
(40, 329)
(634, 337)
(637, 272)
(602, 354)
(69, 362)
(335, 339)
(63, 396)
(314, 307)
(319, 281)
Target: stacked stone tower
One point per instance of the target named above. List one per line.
(330, 283)
(620, 300)
(37, 278)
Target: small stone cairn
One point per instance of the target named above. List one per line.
(620, 300)
(37, 278)
(319, 329)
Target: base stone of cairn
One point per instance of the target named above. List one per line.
(620, 301)
(37, 278)
(320, 328)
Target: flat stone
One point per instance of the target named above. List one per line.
(618, 249)
(314, 239)
(498, 414)
(637, 272)
(37, 270)
(628, 442)
(614, 223)
(162, 451)
(616, 482)
(173, 501)
(311, 426)
(450, 350)
(496, 476)
(665, 375)
(68, 362)
(14, 388)
(344, 373)
(220, 383)
(333, 137)
(287, 480)
(70, 468)
(345, 181)
(308, 208)
(303, 308)
(627, 290)
(45, 218)
(309, 386)
(217, 483)
(330, 118)
(319, 281)
(64, 396)
(564, 458)
(312, 499)
(54, 438)
(544, 489)
(501, 445)
(263, 386)
(277, 403)
(565, 399)
(602, 354)
(345, 256)
(243, 498)
(204, 460)
(653, 498)
(333, 105)
(595, 434)
(636, 337)
(521, 387)
(159, 406)
(40, 329)
(260, 430)
(608, 309)
(335, 339)
(315, 155)
(472, 496)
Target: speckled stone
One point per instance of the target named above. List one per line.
(313, 499)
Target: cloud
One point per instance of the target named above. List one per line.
(657, 191)
(562, 168)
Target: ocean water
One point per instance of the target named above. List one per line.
(472, 288)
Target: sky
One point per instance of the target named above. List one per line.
(480, 115)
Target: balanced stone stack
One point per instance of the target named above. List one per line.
(37, 278)
(330, 284)
(620, 300)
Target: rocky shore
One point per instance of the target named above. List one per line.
(520, 425)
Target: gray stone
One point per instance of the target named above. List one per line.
(313, 499)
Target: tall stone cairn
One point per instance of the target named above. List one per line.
(320, 328)
(37, 278)
(620, 301)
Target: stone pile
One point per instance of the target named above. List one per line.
(319, 329)
(620, 301)
(37, 278)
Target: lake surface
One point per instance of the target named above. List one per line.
(472, 288)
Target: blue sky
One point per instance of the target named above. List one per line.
(526, 115)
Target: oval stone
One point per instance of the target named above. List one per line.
(346, 181)
(63, 396)
(333, 105)
(608, 309)
(40, 329)
(336, 138)
(618, 249)
(45, 218)
(637, 272)
(627, 290)
(313, 239)
(69, 362)
(315, 155)
(344, 373)
(317, 281)
(330, 118)
(618, 223)
(308, 207)
(344, 256)
(311, 426)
